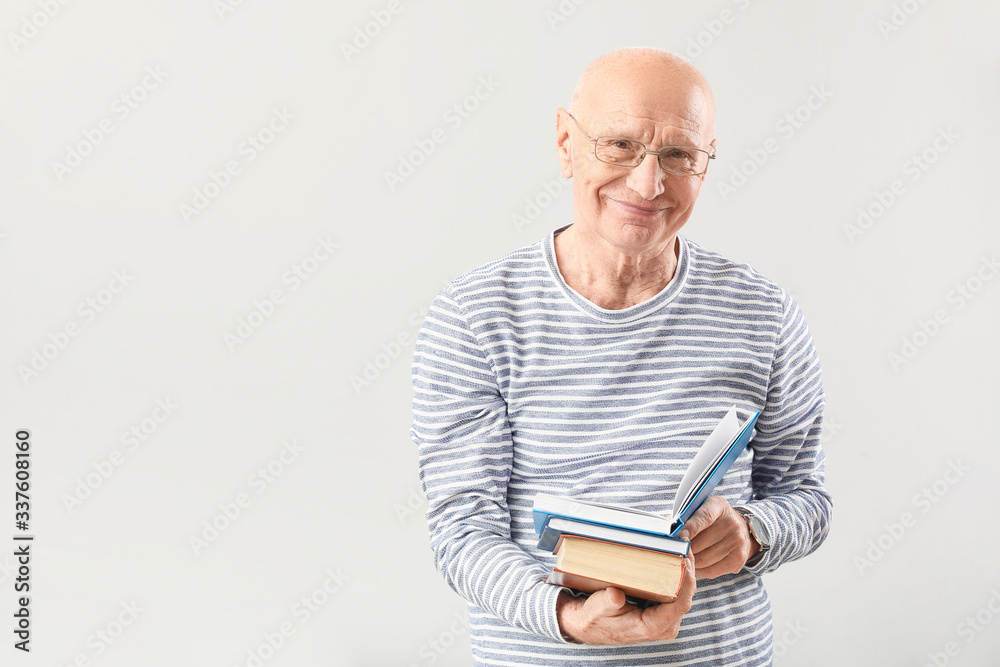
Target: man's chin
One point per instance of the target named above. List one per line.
(628, 233)
(637, 234)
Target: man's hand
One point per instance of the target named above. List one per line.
(720, 539)
(606, 618)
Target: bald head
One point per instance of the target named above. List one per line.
(644, 81)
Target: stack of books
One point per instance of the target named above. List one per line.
(598, 546)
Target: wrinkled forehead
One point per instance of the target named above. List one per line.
(651, 125)
(664, 112)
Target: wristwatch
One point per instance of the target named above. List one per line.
(758, 531)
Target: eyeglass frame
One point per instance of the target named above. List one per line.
(645, 151)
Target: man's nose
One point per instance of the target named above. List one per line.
(648, 178)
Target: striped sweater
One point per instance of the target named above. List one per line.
(521, 386)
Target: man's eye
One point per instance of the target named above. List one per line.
(622, 145)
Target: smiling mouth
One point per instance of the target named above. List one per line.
(637, 210)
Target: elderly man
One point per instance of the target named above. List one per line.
(593, 364)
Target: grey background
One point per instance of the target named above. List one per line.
(348, 503)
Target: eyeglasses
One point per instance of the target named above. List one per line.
(622, 152)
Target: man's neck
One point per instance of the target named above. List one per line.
(608, 277)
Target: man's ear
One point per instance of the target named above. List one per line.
(564, 149)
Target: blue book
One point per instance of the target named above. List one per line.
(558, 526)
(726, 442)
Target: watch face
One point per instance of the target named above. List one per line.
(760, 531)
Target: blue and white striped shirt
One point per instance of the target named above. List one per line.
(523, 386)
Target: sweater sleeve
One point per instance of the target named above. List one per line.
(465, 453)
(788, 475)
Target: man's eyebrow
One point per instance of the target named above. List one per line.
(618, 131)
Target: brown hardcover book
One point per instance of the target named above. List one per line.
(589, 565)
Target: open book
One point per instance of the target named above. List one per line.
(726, 442)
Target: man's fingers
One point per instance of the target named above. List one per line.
(706, 515)
(665, 620)
(688, 585)
(714, 542)
(608, 602)
(708, 538)
(712, 555)
(606, 617)
(722, 547)
(616, 597)
(731, 564)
